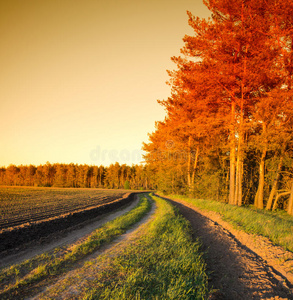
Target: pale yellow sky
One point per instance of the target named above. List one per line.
(79, 80)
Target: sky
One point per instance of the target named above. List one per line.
(80, 80)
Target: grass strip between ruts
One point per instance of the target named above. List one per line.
(163, 263)
(275, 225)
(53, 265)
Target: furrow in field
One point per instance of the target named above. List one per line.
(72, 237)
(41, 270)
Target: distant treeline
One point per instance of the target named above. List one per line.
(115, 176)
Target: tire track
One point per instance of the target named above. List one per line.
(235, 271)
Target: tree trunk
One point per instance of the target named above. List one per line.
(240, 174)
(232, 156)
(232, 176)
(189, 165)
(277, 198)
(226, 186)
(259, 196)
(290, 203)
(237, 179)
(261, 181)
(194, 168)
(239, 166)
(275, 185)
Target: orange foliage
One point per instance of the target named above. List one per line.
(230, 108)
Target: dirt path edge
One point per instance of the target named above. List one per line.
(277, 262)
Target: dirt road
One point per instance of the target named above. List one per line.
(236, 271)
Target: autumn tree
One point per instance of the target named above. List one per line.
(2, 176)
(231, 88)
(71, 175)
(220, 78)
(60, 176)
(165, 158)
(276, 104)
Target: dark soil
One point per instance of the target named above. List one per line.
(235, 271)
(19, 237)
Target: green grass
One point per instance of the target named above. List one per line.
(22, 276)
(277, 226)
(164, 263)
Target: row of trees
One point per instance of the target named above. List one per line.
(115, 176)
(228, 133)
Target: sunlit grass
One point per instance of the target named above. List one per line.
(164, 263)
(277, 226)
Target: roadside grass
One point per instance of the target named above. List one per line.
(21, 277)
(163, 262)
(277, 226)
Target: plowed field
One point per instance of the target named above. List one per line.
(20, 205)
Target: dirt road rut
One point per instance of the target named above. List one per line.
(236, 271)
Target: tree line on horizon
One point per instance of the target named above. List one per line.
(228, 131)
(115, 176)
